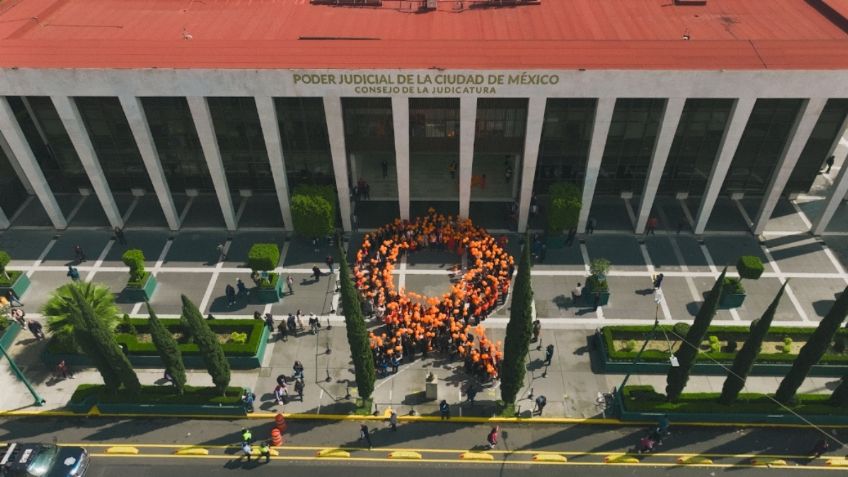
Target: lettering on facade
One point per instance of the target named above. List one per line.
(427, 83)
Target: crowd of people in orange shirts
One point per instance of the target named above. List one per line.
(449, 323)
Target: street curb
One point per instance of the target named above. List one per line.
(381, 418)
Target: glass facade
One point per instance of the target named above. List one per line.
(566, 137)
(630, 145)
(46, 136)
(498, 148)
(695, 146)
(173, 132)
(762, 143)
(434, 149)
(370, 142)
(12, 192)
(113, 143)
(306, 144)
(815, 151)
(242, 144)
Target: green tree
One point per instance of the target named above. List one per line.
(744, 360)
(357, 333)
(518, 330)
(840, 394)
(312, 215)
(688, 350)
(563, 206)
(168, 350)
(61, 304)
(208, 344)
(101, 344)
(813, 350)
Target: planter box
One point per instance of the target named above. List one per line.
(602, 364)
(270, 295)
(145, 293)
(7, 338)
(20, 286)
(691, 417)
(587, 297)
(734, 300)
(154, 361)
(178, 410)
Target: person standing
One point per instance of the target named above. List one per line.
(298, 388)
(549, 354)
(290, 284)
(829, 163)
(79, 254)
(492, 437)
(73, 273)
(316, 272)
(265, 451)
(384, 166)
(658, 281)
(444, 410)
(590, 225)
(36, 329)
(329, 261)
(470, 394)
(651, 226)
(537, 330)
(247, 449)
(576, 294)
(63, 370)
(393, 420)
(365, 435)
(119, 236)
(269, 322)
(231, 294)
(13, 298)
(221, 254)
(246, 436)
(242, 289)
(541, 401)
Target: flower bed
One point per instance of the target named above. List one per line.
(619, 345)
(142, 352)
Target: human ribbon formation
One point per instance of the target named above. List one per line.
(449, 323)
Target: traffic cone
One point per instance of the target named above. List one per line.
(280, 422)
(276, 437)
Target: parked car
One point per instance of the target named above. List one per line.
(42, 460)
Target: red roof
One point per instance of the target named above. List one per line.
(558, 34)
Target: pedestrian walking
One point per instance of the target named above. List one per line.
(242, 289)
(316, 272)
(829, 163)
(549, 354)
(367, 192)
(119, 236)
(651, 226)
(492, 437)
(282, 331)
(364, 435)
(444, 410)
(820, 447)
(73, 273)
(298, 388)
(269, 322)
(247, 449)
(13, 298)
(658, 279)
(79, 254)
(393, 420)
(246, 436)
(590, 225)
(221, 254)
(470, 394)
(576, 294)
(231, 294)
(537, 329)
(290, 284)
(329, 261)
(297, 367)
(36, 329)
(63, 370)
(541, 401)
(18, 314)
(265, 451)
(384, 166)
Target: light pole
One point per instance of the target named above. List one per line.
(39, 401)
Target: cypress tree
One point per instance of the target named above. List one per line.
(207, 343)
(840, 394)
(104, 346)
(85, 341)
(357, 333)
(744, 360)
(688, 350)
(168, 350)
(813, 350)
(518, 330)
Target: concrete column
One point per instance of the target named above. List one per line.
(209, 143)
(467, 131)
(739, 115)
(600, 129)
(4, 220)
(335, 129)
(137, 119)
(4, 146)
(68, 112)
(662, 146)
(837, 194)
(400, 119)
(533, 136)
(22, 154)
(274, 146)
(805, 121)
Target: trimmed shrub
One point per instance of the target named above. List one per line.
(597, 284)
(127, 326)
(237, 337)
(787, 345)
(157, 395)
(599, 267)
(263, 256)
(732, 286)
(750, 267)
(357, 332)
(312, 216)
(563, 207)
(134, 258)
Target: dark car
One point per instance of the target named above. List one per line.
(42, 460)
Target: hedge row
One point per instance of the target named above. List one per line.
(644, 398)
(739, 333)
(157, 395)
(253, 328)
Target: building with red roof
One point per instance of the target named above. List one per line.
(473, 107)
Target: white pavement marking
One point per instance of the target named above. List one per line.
(242, 206)
(791, 294)
(686, 212)
(130, 210)
(834, 260)
(709, 258)
(187, 207)
(20, 210)
(40, 258)
(650, 264)
(76, 208)
(209, 288)
(801, 215)
(157, 267)
(744, 213)
(584, 252)
(99, 262)
(630, 212)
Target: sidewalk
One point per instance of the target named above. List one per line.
(569, 384)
